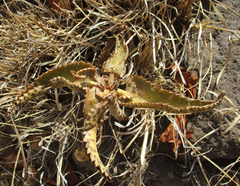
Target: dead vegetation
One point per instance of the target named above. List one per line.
(161, 36)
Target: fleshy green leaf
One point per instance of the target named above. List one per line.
(59, 82)
(91, 145)
(30, 93)
(81, 74)
(93, 109)
(116, 62)
(144, 95)
(62, 71)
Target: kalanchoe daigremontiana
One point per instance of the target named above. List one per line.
(102, 92)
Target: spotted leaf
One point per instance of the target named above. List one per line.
(93, 115)
(116, 62)
(30, 93)
(59, 82)
(91, 145)
(93, 109)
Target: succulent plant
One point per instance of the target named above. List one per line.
(102, 91)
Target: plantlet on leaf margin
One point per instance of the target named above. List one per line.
(101, 92)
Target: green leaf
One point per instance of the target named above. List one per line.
(116, 62)
(59, 82)
(144, 95)
(93, 109)
(62, 71)
(89, 138)
(30, 93)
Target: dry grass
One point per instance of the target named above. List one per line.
(159, 34)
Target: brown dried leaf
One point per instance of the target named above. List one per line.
(168, 136)
(190, 80)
